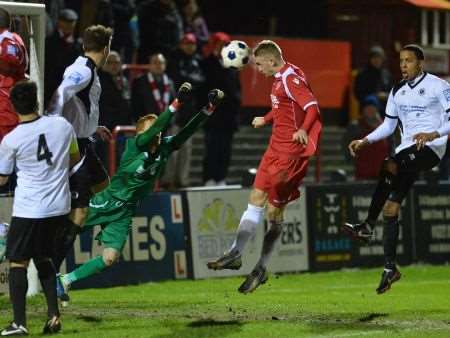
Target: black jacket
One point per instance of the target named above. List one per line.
(181, 68)
(114, 107)
(371, 80)
(226, 115)
(58, 55)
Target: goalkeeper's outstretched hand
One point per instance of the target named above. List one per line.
(184, 92)
(215, 97)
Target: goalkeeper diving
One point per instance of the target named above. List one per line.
(142, 163)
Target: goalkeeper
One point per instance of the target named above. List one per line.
(142, 163)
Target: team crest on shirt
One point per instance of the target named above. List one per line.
(422, 91)
(296, 81)
(403, 92)
(75, 77)
(447, 94)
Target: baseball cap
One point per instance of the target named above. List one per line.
(68, 14)
(189, 38)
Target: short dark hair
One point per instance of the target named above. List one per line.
(24, 97)
(96, 38)
(416, 49)
(5, 19)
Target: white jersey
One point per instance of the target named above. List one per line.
(39, 152)
(421, 106)
(77, 97)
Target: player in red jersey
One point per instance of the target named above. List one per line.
(296, 130)
(13, 63)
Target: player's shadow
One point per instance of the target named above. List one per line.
(371, 316)
(202, 329)
(90, 319)
(366, 323)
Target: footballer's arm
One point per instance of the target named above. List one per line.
(162, 122)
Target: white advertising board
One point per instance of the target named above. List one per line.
(214, 218)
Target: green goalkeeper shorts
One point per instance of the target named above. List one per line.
(113, 216)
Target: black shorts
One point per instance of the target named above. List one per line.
(32, 237)
(91, 173)
(410, 162)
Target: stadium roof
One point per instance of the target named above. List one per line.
(432, 4)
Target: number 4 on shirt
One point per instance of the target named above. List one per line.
(42, 151)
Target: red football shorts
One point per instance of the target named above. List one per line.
(280, 177)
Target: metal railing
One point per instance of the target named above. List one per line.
(112, 147)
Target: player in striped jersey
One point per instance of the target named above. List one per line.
(40, 150)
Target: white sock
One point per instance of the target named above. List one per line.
(250, 220)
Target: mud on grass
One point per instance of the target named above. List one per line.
(334, 304)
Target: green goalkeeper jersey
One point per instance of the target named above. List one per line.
(139, 169)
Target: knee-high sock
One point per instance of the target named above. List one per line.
(18, 286)
(379, 197)
(390, 240)
(270, 239)
(47, 276)
(251, 218)
(65, 242)
(91, 267)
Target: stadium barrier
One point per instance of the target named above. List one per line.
(214, 216)
(112, 146)
(33, 281)
(331, 205)
(155, 249)
(174, 234)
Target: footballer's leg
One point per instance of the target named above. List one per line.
(259, 274)
(47, 276)
(250, 220)
(391, 227)
(386, 183)
(91, 267)
(113, 237)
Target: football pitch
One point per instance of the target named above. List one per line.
(332, 304)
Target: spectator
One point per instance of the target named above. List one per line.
(115, 97)
(152, 92)
(61, 50)
(160, 27)
(374, 79)
(123, 11)
(53, 8)
(92, 12)
(114, 102)
(184, 65)
(194, 22)
(369, 161)
(220, 128)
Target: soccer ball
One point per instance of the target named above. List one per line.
(235, 54)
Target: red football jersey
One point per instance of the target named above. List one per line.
(13, 60)
(291, 96)
(13, 64)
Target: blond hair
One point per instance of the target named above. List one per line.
(268, 47)
(140, 124)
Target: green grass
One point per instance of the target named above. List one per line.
(333, 304)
